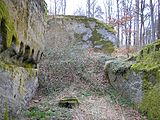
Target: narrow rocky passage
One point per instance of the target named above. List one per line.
(77, 72)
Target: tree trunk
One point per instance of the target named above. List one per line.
(152, 20)
(158, 28)
(137, 25)
(142, 23)
(55, 7)
(118, 34)
(130, 25)
(89, 8)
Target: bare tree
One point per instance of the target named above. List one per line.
(57, 7)
(137, 25)
(152, 20)
(130, 24)
(88, 8)
(80, 12)
(64, 7)
(142, 29)
(118, 27)
(91, 7)
(98, 13)
(105, 11)
(158, 28)
(108, 4)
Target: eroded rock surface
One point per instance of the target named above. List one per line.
(128, 82)
(21, 48)
(66, 30)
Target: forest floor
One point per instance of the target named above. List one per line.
(78, 73)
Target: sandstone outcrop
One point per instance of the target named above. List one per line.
(62, 31)
(21, 48)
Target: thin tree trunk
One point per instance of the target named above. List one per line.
(134, 35)
(158, 28)
(130, 25)
(89, 8)
(106, 16)
(118, 34)
(152, 20)
(63, 7)
(142, 23)
(55, 7)
(137, 24)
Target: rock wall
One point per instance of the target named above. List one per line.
(122, 78)
(21, 48)
(139, 79)
(62, 31)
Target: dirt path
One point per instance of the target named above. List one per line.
(77, 74)
(93, 106)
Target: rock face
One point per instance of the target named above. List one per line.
(139, 80)
(21, 46)
(128, 82)
(66, 30)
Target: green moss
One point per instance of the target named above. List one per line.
(148, 59)
(6, 67)
(95, 36)
(78, 36)
(35, 113)
(45, 11)
(107, 46)
(7, 28)
(14, 69)
(6, 115)
(151, 103)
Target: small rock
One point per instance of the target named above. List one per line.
(35, 101)
(69, 102)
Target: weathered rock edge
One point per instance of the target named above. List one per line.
(21, 48)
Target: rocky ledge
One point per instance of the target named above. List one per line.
(21, 48)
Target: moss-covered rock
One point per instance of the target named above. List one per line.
(148, 62)
(19, 35)
(140, 81)
(89, 32)
(86, 20)
(7, 26)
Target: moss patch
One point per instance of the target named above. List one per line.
(7, 26)
(151, 103)
(97, 40)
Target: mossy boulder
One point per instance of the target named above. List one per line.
(89, 32)
(148, 62)
(69, 102)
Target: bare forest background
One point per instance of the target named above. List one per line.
(137, 22)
